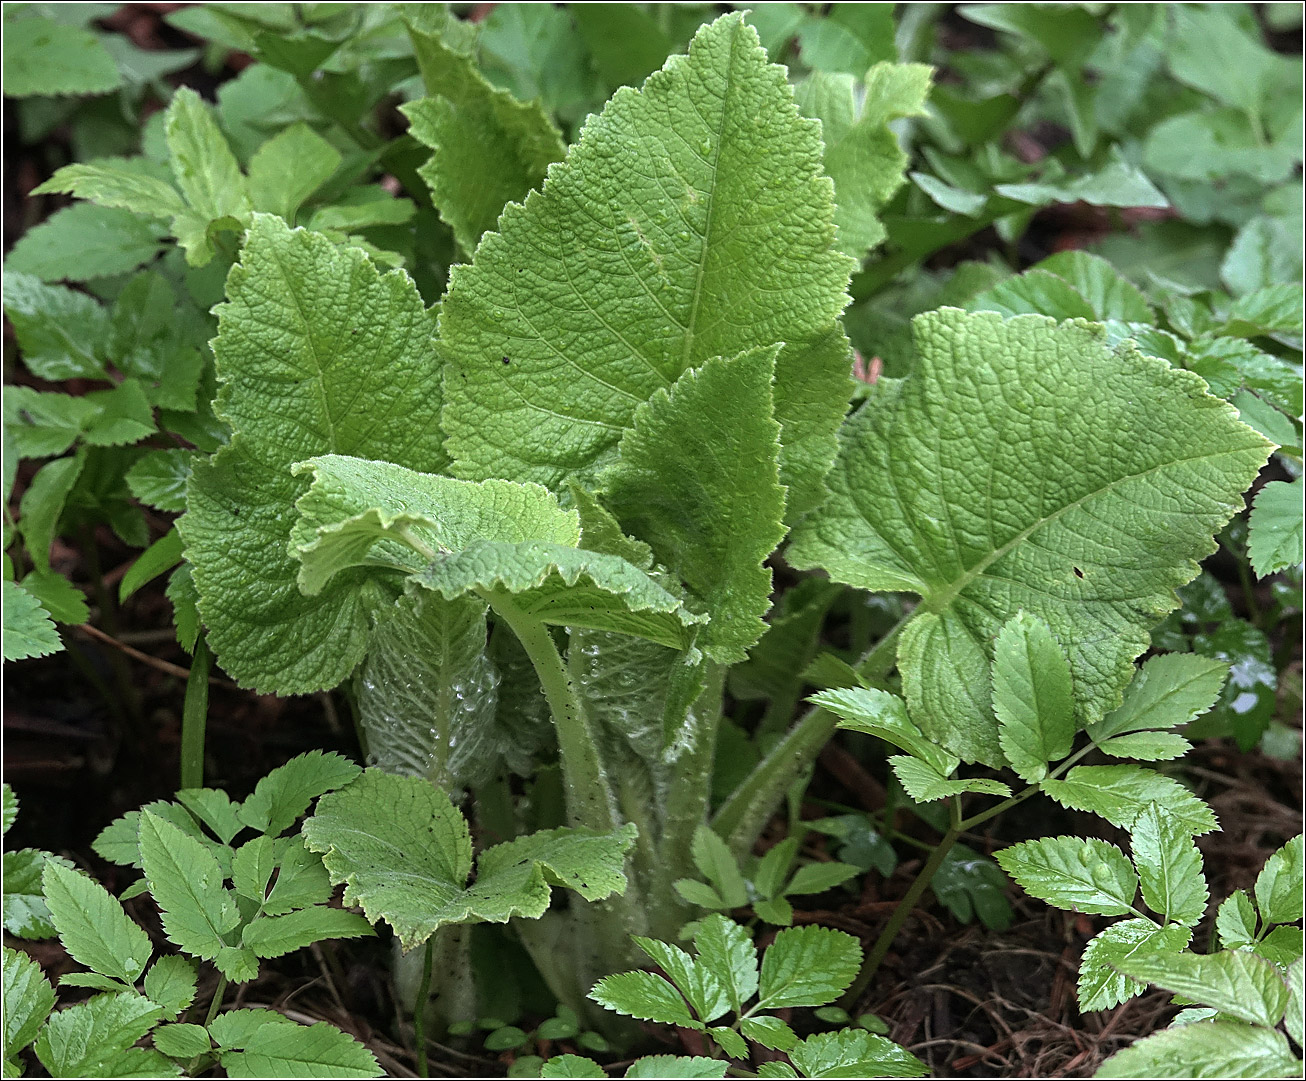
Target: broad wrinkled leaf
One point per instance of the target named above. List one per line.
(353, 505)
(1169, 867)
(1216, 1049)
(404, 853)
(1073, 873)
(566, 587)
(1105, 475)
(862, 155)
(309, 329)
(428, 692)
(1032, 697)
(660, 242)
(697, 479)
(489, 148)
(1101, 984)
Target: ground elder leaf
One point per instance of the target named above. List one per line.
(92, 925)
(28, 1000)
(86, 1039)
(186, 882)
(663, 240)
(308, 330)
(854, 1053)
(1217, 1049)
(28, 629)
(1275, 535)
(270, 1049)
(1105, 475)
(1235, 982)
(1032, 697)
(273, 936)
(283, 795)
(1082, 875)
(923, 783)
(1101, 984)
(645, 996)
(1169, 867)
(46, 56)
(807, 966)
(1121, 793)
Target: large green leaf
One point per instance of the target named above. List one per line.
(1025, 465)
(404, 853)
(697, 479)
(862, 154)
(1217, 1049)
(309, 333)
(689, 221)
(489, 148)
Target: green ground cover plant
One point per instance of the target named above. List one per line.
(588, 399)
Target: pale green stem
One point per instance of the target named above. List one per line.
(744, 814)
(589, 799)
(194, 715)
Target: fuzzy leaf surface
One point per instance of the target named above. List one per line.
(309, 330)
(862, 155)
(1104, 476)
(489, 148)
(404, 853)
(697, 478)
(663, 240)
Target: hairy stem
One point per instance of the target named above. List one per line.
(419, 1009)
(742, 817)
(687, 802)
(194, 717)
